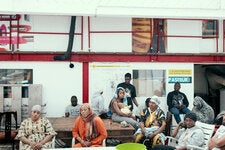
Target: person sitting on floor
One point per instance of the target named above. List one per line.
(187, 133)
(89, 129)
(217, 142)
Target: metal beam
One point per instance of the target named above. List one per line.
(115, 57)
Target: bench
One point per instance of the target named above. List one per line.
(63, 127)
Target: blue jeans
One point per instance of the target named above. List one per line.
(176, 112)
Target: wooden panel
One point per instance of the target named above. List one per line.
(19, 100)
(1, 98)
(35, 95)
(63, 127)
(16, 101)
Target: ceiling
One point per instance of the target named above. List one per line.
(199, 9)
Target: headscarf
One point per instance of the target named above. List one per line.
(155, 99)
(98, 92)
(202, 110)
(192, 116)
(90, 125)
(124, 100)
(36, 107)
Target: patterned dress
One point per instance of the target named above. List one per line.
(148, 117)
(35, 131)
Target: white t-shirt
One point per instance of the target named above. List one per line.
(73, 110)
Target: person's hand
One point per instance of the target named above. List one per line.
(182, 106)
(133, 117)
(32, 145)
(38, 146)
(150, 136)
(143, 131)
(181, 123)
(87, 143)
(177, 106)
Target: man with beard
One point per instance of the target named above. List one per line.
(217, 142)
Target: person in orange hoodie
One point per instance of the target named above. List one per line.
(89, 129)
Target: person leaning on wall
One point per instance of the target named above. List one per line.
(35, 132)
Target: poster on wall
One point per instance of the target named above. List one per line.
(107, 76)
(209, 28)
(180, 75)
(149, 82)
(16, 76)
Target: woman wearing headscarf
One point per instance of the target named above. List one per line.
(35, 132)
(88, 130)
(148, 116)
(97, 104)
(204, 112)
(117, 114)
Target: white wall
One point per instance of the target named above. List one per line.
(50, 35)
(109, 75)
(61, 82)
(58, 80)
(188, 44)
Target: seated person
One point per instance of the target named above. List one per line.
(72, 110)
(117, 114)
(217, 142)
(155, 126)
(187, 133)
(202, 110)
(149, 115)
(89, 129)
(35, 132)
(97, 104)
(219, 118)
(177, 102)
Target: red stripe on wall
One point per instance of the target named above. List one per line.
(115, 57)
(85, 82)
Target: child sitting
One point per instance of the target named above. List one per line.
(155, 125)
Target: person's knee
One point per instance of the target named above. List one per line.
(174, 111)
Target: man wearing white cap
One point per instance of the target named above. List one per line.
(148, 116)
(35, 132)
